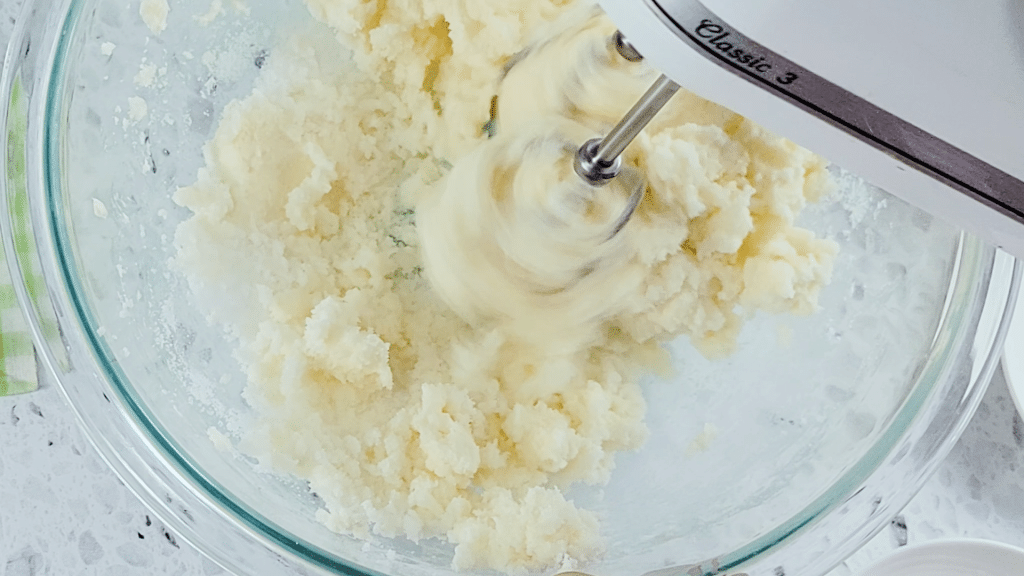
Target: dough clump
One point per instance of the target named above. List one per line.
(414, 416)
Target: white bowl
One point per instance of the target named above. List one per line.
(952, 558)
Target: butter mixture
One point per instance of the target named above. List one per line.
(438, 334)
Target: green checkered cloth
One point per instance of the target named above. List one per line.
(17, 355)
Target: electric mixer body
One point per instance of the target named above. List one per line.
(924, 99)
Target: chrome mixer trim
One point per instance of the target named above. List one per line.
(725, 46)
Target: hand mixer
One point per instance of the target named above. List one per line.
(923, 98)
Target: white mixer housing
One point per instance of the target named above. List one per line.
(924, 98)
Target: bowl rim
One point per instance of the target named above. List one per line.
(1013, 356)
(958, 553)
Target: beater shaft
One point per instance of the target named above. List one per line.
(598, 160)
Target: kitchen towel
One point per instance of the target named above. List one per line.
(17, 355)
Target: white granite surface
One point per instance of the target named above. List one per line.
(63, 512)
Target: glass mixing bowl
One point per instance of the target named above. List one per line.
(824, 427)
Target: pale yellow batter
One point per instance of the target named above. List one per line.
(430, 412)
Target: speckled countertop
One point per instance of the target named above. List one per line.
(63, 512)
